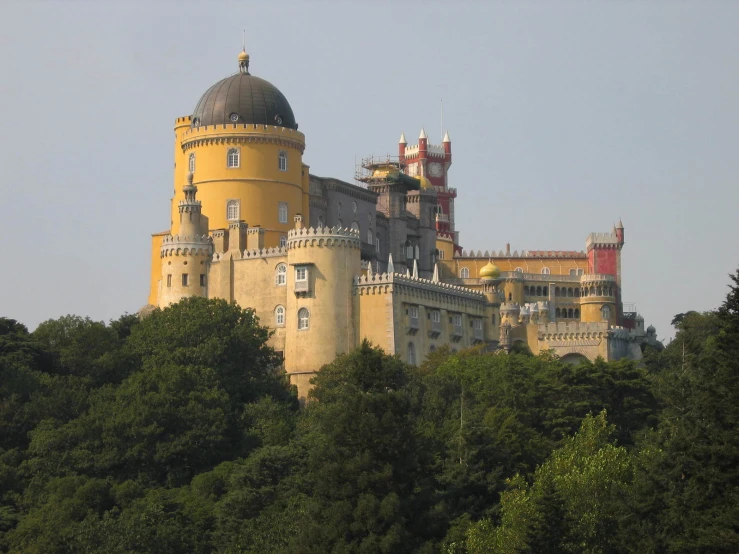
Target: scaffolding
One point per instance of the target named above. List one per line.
(380, 170)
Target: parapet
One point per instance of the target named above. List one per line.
(385, 282)
(180, 245)
(323, 236)
(601, 239)
(557, 254)
(243, 132)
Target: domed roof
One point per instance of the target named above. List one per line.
(243, 98)
(489, 271)
(425, 183)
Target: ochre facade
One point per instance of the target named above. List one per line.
(325, 263)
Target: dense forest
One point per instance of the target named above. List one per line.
(178, 433)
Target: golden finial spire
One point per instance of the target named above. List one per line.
(244, 57)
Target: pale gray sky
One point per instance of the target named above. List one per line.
(564, 116)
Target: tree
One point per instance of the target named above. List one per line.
(571, 506)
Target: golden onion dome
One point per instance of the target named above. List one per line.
(489, 271)
(425, 183)
(243, 56)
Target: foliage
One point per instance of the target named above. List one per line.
(178, 434)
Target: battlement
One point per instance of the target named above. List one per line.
(432, 151)
(572, 330)
(601, 239)
(254, 254)
(323, 236)
(183, 245)
(538, 254)
(418, 283)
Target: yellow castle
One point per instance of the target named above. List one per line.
(326, 263)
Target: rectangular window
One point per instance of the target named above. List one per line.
(169, 280)
(457, 320)
(282, 212)
(202, 279)
(414, 312)
(436, 317)
(377, 245)
(184, 279)
(301, 274)
(441, 254)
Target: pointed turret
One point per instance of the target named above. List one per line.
(401, 148)
(390, 266)
(415, 269)
(435, 277)
(402, 139)
(190, 211)
(369, 269)
(423, 134)
(620, 232)
(446, 137)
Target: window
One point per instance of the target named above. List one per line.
(169, 280)
(232, 210)
(577, 314)
(518, 270)
(377, 244)
(413, 312)
(457, 320)
(191, 162)
(464, 273)
(478, 324)
(280, 316)
(409, 252)
(606, 312)
(283, 241)
(184, 280)
(370, 237)
(573, 271)
(282, 212)
(233, 158)
(441, 254)
(303, 319)
(282, 163)
(411, 353)
(202, 279)
(435, 317)
(281, 275)
(492, 320)
(545, 271)
(355, 226)
(301, 274)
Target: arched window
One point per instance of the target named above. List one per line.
(545, 291)
(281, 275)
(411, 353)
(377, 243)
(191, 162)
(282, 163)
(417, 252)
(570, 313)
(280, 316)
(556, 291)
(232, 210)
(355, 226)
(519, 269)
(409, 251)
(577, 313)
(545, 271)
(464, 273)
(303, 319)
(606, 313)
(282, 212)
(557, 313)
(510, 297)
(283, 241)
(569, 292)
(538, 291)
(577, 292)
(233, 159)
(370, 236)
(526, 290)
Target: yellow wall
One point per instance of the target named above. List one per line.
(156, 266)
(257, 183)
(556, 266)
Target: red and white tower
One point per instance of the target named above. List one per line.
(432, 162)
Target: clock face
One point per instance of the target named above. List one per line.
(435, 170)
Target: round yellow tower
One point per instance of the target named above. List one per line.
(321, 320)
(185, 256)
(243, 146)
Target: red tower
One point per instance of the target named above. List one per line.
(432, 162)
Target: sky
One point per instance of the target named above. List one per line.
(564, 117)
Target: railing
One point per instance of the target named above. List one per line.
(302, 286)
(545, 278)
(442, 217)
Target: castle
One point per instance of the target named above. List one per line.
(326, 263)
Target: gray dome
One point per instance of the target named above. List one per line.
(243, 98)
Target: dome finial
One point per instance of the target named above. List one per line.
(244, 57)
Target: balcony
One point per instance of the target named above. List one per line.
(457, 333)
(413, 325)
(435, 329)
